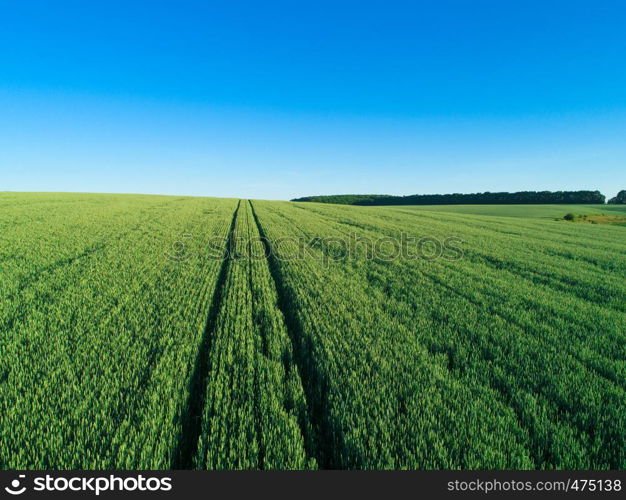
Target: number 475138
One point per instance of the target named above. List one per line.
(596, 485)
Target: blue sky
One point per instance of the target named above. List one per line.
(284, 99)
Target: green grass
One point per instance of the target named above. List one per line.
(175, 332)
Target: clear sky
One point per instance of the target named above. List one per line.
(272, 99)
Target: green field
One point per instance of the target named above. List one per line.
(154, 332)
(524, 211)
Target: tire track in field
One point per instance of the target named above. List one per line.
(191, 418)
(316, 440)
(257, 383)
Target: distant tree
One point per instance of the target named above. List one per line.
(620, 199)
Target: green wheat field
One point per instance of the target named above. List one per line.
(160, 332)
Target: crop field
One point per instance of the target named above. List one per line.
(524, 211)
(158, 332)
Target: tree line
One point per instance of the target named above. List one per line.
(486, 198)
